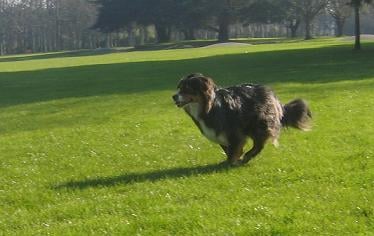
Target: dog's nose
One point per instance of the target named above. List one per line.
(175, 97)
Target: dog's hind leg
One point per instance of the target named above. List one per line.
(258, 145)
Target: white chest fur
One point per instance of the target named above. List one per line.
(194, 110)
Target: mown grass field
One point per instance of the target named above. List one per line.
(92, 144)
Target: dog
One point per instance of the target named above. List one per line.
(229, 116)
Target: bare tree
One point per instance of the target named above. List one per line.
(289, 12)
(309, 9)
(46, 25)
(340, 11)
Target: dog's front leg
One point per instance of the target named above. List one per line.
(224, 148)
(234, 152)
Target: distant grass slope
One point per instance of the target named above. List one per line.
(92, 144)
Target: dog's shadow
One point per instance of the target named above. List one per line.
(153, 176)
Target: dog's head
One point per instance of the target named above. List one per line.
(195, 88)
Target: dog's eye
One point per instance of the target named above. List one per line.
(187, 90)
(190, 91)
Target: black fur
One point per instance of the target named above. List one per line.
(229, 116)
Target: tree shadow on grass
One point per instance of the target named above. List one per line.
(152, 176)
(317, 65)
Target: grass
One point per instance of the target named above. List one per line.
(92, 144)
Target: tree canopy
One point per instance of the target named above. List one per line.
(186, 15)
(163, 14)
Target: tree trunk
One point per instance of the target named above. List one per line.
(131, 36)
(357, 27)
(2, 46)
(189, 34)
(2, 43)
(293, 26)
(223, 31)
(339, 27)
(293, 32)
(163, 34)
(59, 43)
(308, 35)
(141, 35)
(45, 41)
(108, 41)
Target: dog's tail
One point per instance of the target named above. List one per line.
(297, 114)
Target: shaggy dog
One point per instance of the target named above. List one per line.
(228, 116)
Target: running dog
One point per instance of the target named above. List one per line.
(229, 116)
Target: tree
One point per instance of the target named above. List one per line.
(191, 16)
(274, 11)
(114, 14)
(223, 14)
(357, 4)
(291, 15)
(46, 25)
(4, 26)
(166, 15)
(118, 14)
(309, 9)
(262, 11)
(340, 11)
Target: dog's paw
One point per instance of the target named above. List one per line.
(229, 164)
(224, 163)
(236, 163)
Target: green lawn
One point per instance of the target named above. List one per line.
(92, 144)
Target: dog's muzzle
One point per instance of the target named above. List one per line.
(175, 97)
(178, 100)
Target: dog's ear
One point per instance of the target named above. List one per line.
(190, 76)
(194, 75)
(179, 85)
(208, 88)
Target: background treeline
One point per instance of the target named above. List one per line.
(52, 25)
(46, 25)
